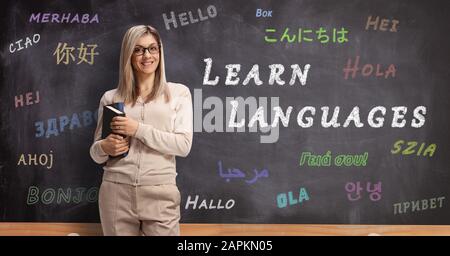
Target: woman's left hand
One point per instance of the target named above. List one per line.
(124, 125)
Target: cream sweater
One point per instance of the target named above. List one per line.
(164, 131)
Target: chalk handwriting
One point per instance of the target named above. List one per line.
(306, 35)
(233, 173)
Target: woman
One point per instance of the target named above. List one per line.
(138, 194)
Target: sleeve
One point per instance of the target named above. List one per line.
(96, 151)
(176, 143)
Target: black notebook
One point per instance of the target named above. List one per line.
(109, 112)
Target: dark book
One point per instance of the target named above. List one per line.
(109, 112)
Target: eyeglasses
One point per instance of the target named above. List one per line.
(139, 50)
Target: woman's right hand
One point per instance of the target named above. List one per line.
(115, 145)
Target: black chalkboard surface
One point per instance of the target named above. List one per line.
(305, 111)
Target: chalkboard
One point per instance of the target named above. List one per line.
(340, 108)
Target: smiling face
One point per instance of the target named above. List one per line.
(145, 57)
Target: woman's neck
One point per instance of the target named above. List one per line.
(145, 83)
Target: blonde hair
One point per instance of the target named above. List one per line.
(126, 88)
